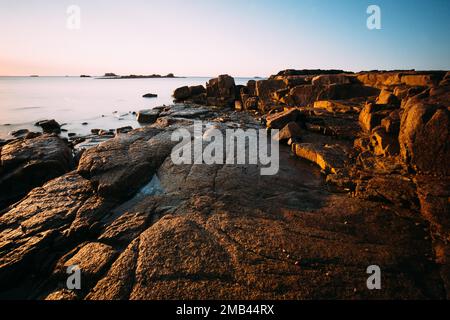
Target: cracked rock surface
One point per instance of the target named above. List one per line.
(141, 227)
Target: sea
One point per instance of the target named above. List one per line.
(82, 104)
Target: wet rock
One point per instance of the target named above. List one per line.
(120, 166)
(19, 133)
(148, 116)
(150, 95)
(181, 93)
(49, 126)
(124, 130)
(29, 163)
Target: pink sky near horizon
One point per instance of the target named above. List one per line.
(207, 38)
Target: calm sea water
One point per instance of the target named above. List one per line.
(103, 104)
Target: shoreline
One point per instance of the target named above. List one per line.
(363, 178)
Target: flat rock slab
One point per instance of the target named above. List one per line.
(330, 158)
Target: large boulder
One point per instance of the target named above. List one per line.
(181, 93)
(265, 90)
(221, 91)
(49, 126)
(29, 163)
(148, 116)
(424, 133)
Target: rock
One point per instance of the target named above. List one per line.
(380, 80)
(280, 120)
(393, 189)
(387, 97)
(291, 131)
(29, 163)
(392, 123)
(329, 158)
(383, 143)
(49, 126)
(19, 133)
(420, 80)
(32, 135)
(150, 95)
(221, 91)
(238, 105)
(251, 103)
(91, 258)
(34, 226)
(424, 133)
(294, 81)
(121, 166)
(225, 231)
(196, 90)
(62, 295)
(264, 90)
(346, 91)
(433, 193)
(305, 95)
(371, 116)
(251, 87)
(148, 116)
(124, 130)
(338, 106)
(181, 93)
(325, 80)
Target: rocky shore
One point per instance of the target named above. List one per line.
(363, 180)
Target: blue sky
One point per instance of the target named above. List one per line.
(210, 37)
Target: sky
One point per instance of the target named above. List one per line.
(211, 37)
